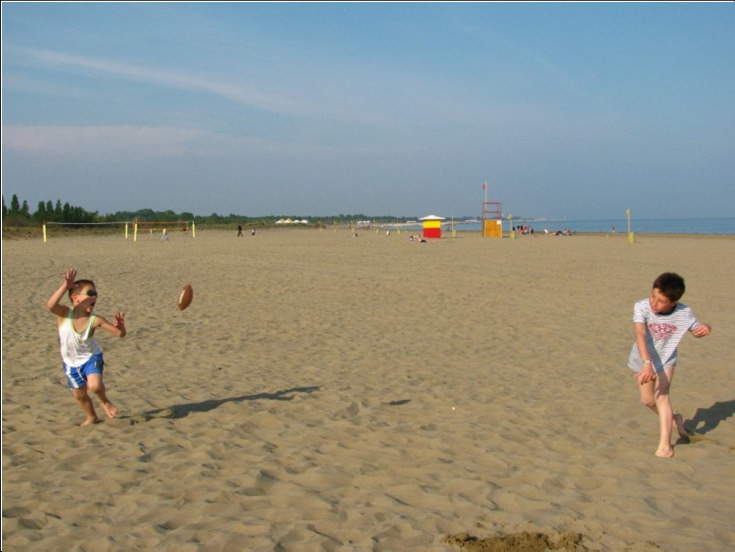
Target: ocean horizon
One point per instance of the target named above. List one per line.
(700, 226)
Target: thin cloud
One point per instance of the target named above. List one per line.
(236, 93)
(119, 141)
(131, 142)
(347, 110)
(339, 102)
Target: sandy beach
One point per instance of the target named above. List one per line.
(326, 392)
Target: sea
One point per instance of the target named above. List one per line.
(703, 226)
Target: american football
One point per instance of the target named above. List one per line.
(185, 296)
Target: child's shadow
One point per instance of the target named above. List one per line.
(707, 419)
(182, 410)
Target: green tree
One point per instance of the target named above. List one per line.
(40, 214)
(14, 206)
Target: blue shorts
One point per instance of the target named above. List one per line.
(77, 377)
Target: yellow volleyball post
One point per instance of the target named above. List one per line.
(44, 231)
(510, 223)
(135, 231)
(193, 230)
(126, 230)
(631, 236)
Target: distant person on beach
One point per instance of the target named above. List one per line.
(239, 230)
(83, 361)
(661, 322)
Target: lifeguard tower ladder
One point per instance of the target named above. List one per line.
(492, 220)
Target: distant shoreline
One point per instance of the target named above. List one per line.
(34, 233)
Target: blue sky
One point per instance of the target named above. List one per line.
(576, 110)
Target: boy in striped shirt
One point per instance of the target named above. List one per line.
(661, 322)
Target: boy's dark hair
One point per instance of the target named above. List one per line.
(671, 285)
(78, 284)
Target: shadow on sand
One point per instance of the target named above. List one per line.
(707, 419)
(183, 410)
(704, 421)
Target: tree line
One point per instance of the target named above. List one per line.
(19, 214)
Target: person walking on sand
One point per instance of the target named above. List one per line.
(83, 361)
(661, 322)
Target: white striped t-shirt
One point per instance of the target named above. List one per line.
(663, 334)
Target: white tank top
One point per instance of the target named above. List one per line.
(76, 347)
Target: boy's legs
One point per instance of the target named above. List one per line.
(97, 386)
(88, 378)
(78, 384)
(84, 400)
(665, 412)
(655, 395)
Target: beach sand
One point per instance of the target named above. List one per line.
(331, 392)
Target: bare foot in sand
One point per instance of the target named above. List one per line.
(665, 452)
(679, 426)
(90, 421)
(110, 409)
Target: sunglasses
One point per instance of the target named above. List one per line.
(89, 293)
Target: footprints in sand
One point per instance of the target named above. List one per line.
(147, 416)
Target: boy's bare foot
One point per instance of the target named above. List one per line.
(665, 452)
(679, 426)
(90, 421)
(110, 409)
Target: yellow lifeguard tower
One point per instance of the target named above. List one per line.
(492, 220)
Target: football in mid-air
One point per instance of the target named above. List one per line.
(185, 296)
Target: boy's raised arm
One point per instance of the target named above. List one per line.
(117, 328)
(53, 302)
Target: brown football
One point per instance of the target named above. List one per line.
(185, 296)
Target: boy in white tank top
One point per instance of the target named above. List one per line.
(83, 362)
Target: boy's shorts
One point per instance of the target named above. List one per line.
(77, 376)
